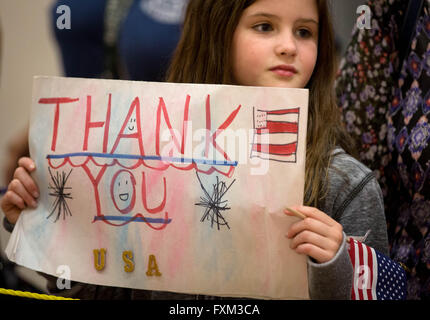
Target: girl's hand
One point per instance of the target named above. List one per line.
(22, 191)
(318, 235)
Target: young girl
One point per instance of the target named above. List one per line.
(282, 43)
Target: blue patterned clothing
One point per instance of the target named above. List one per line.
(386, 107)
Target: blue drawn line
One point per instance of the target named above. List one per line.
(3, 190)
(137, 219)
(138, 157)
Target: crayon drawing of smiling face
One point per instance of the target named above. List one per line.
(123, 191)
(131, 126)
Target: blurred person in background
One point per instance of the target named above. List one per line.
(119, 39)
(383, 89)
(115, 39)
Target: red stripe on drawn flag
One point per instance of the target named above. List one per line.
(279, 127)
(276, 134)
(276, 149)
(284, 111)
(376, 277)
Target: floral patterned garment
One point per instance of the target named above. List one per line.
(388, 114)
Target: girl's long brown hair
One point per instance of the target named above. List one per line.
(203, 55)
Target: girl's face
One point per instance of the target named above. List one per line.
(276, 44)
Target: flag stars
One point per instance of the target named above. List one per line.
(389, 280)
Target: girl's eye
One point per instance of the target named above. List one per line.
(304, 33)
(263, 27)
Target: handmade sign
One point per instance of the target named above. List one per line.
(172, 187)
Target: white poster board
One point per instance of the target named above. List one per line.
(172, 187)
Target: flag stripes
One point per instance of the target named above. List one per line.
(276, 134)
(376, 277)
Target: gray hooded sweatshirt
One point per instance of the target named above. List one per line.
(354, 199)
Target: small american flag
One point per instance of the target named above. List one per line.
(276, 134)
(376, 277)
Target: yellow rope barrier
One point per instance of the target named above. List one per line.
(31, 295)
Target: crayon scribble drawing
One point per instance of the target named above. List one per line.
(214, 204)
(59, 192)
(276, 134)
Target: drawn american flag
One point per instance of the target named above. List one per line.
(276, 134)
(376, 277)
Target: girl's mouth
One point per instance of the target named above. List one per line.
(284, 70)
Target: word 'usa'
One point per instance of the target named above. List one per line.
(127, 257)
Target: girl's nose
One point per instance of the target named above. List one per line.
(286, 44)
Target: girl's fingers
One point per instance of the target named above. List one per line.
(11, 199)
(12, 205)
(17, 187)
(22, 191)
(317, 235)
(314, 252)
(310, 224)
(322, 242)
(312, 212)
(318, 222)
(307, 237)
(27, 163)
(24, 177)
